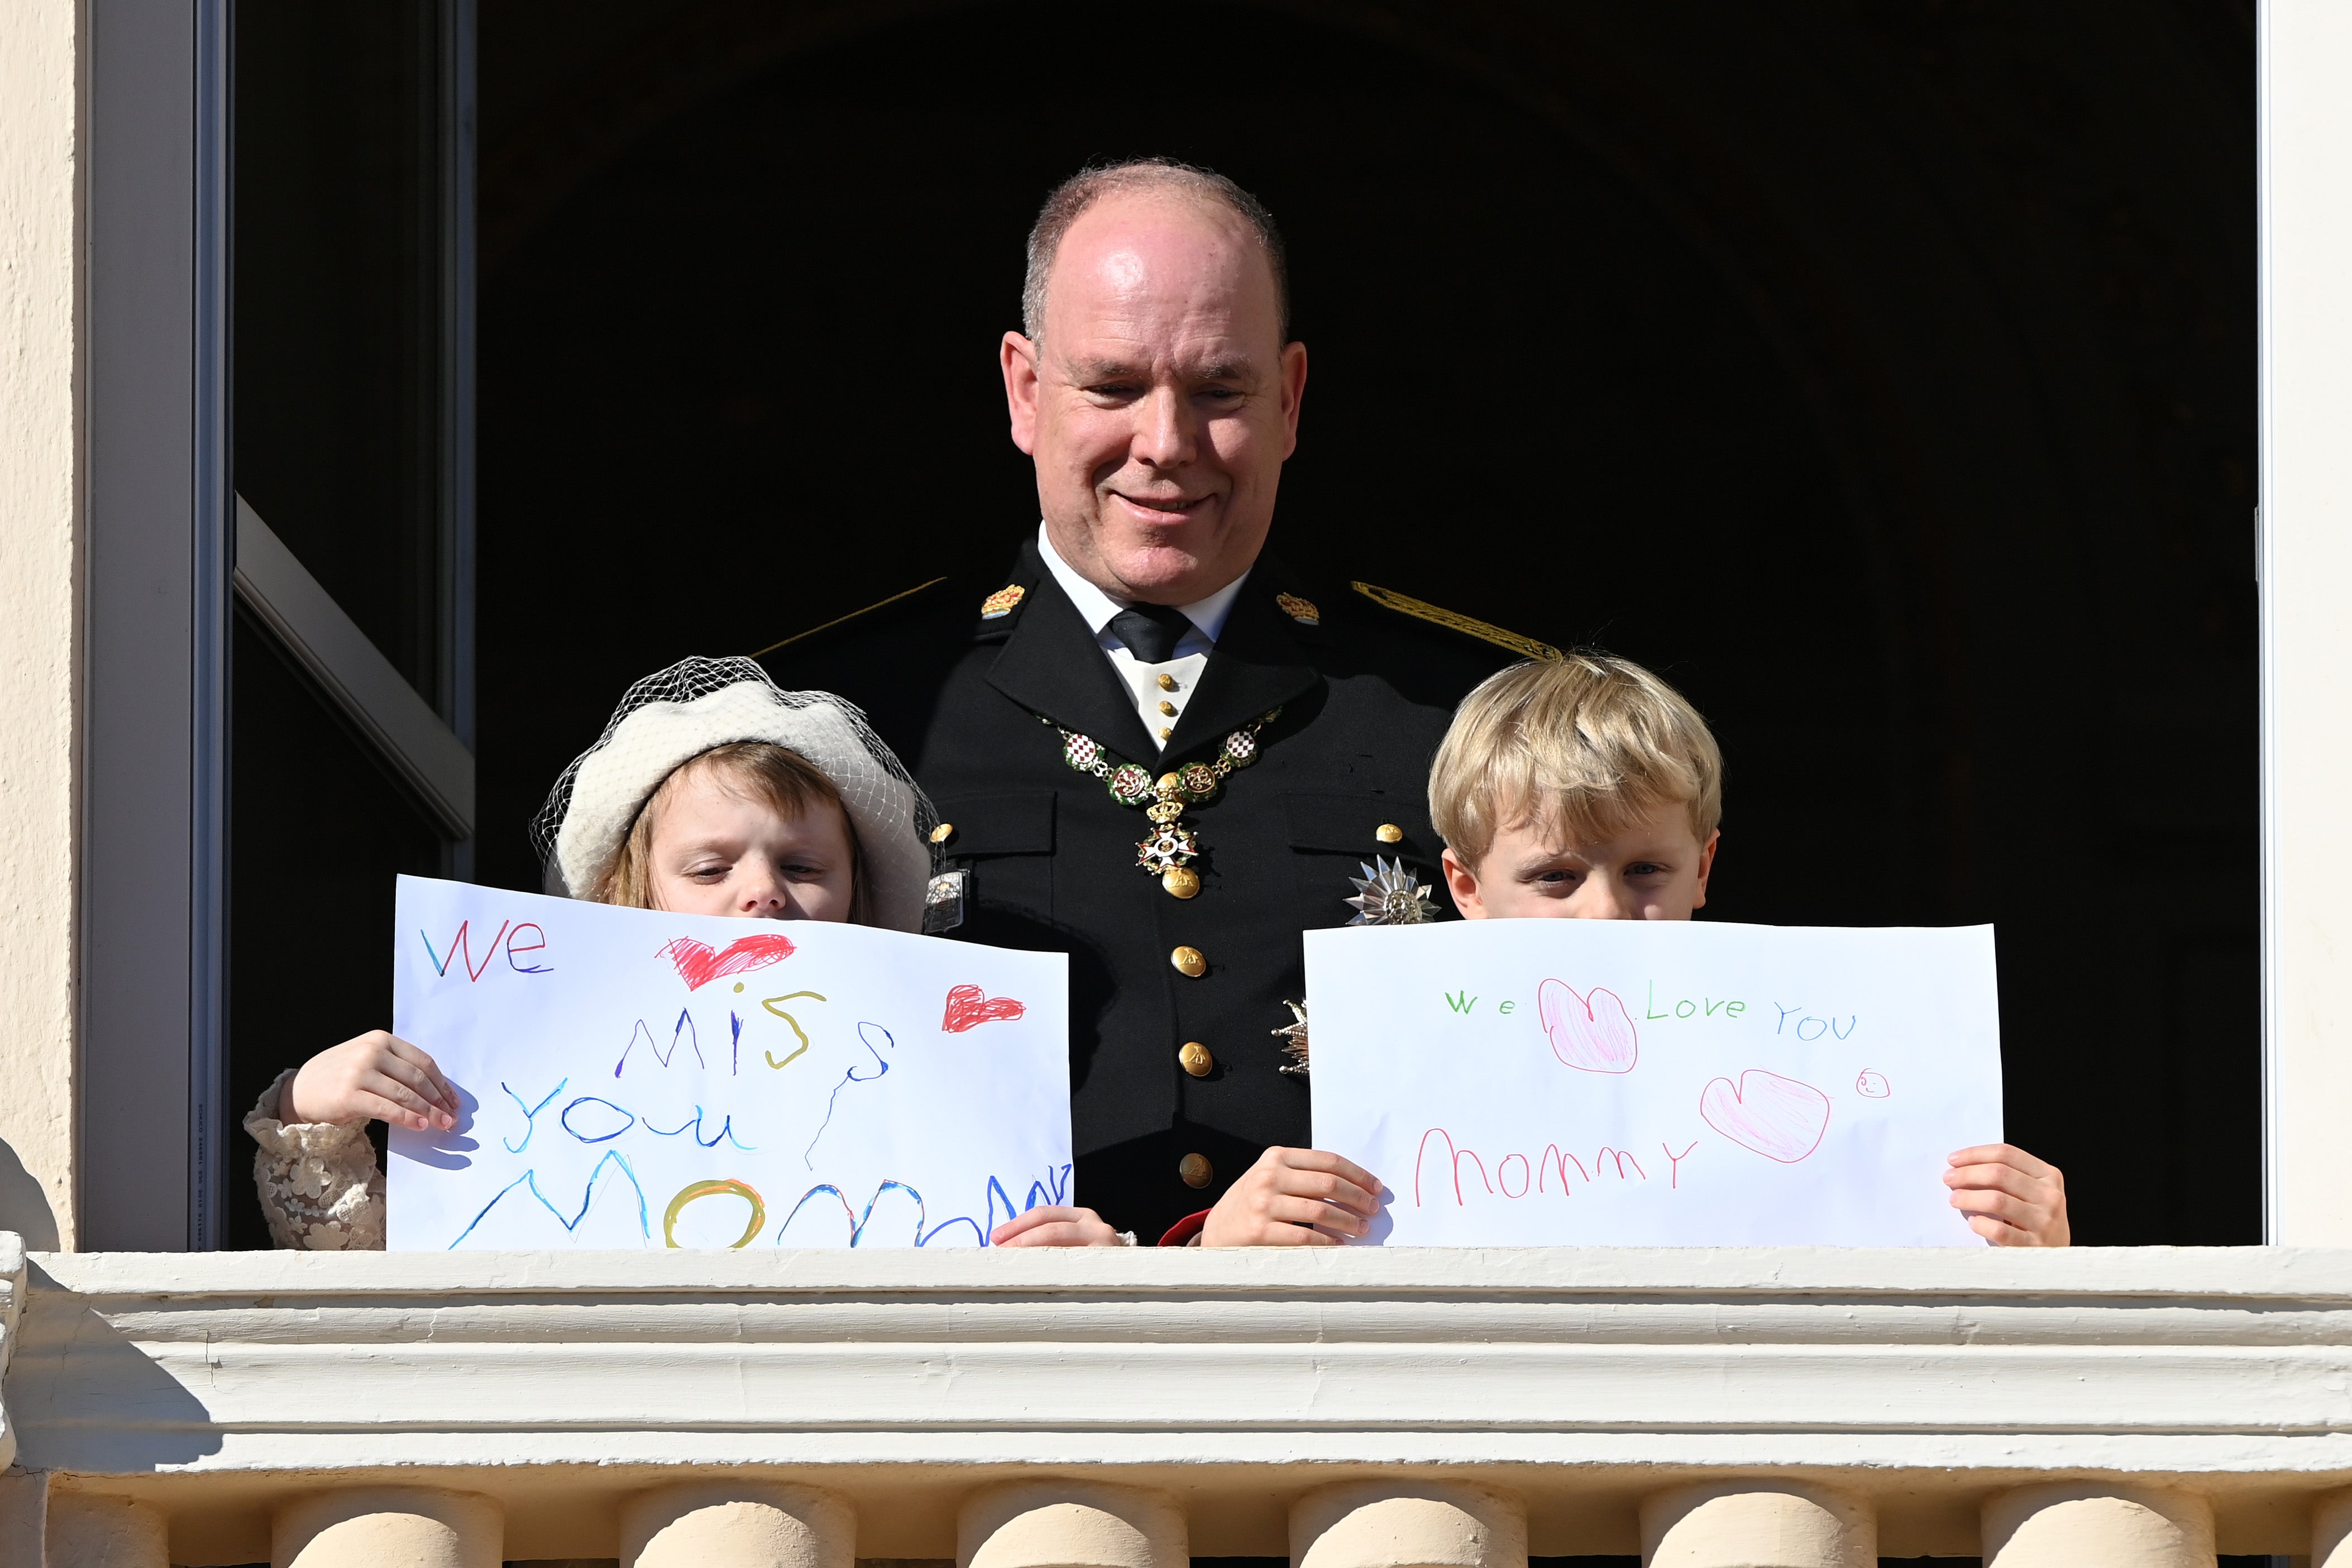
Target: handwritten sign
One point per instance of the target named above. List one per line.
(1538, 1082)
(639, 1080)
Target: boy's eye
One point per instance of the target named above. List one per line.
(1645, 868)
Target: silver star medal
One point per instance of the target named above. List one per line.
(1293, 1037)
(1387, 895)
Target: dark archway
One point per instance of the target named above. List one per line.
(1885, 377)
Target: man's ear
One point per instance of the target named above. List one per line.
(1463, 883)
(1706, 865)
(1293, 393)
(1017, 357)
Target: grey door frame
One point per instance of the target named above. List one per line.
(157, 1151)
(155, 623)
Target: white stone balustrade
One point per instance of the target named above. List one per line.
(1352, 1408)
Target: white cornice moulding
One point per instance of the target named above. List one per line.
(354, 674)
(1579, 1378)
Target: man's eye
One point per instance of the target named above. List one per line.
(1114, 390)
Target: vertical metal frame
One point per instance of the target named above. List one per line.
(156, 590)
(454, 596)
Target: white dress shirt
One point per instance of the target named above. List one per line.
(1159, 691)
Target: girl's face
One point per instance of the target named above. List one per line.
(718, 852)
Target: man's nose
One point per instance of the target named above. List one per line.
(1164, 436)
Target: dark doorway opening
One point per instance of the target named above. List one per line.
(1887, 381)
(1885, 377)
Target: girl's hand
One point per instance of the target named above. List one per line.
(377, 1075)
(2011, 1199)
(1049, 1225)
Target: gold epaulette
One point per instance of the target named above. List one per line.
(837, 620)
(1405, 604)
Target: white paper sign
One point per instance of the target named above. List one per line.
(640, 1080)
(1553, 1082)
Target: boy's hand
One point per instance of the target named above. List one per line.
(1051, 1224)
(2011, 1199)
(377, 1075)
(1294, 1197)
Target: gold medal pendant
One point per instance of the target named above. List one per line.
(1169, 850)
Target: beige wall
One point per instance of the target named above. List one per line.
(38, 616)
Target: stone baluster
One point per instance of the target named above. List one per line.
(1408, 1524)
(368, 1527)
(1757, 1524)
(1071, 1524)
(91, 1530)
(2331, 1532)
(2097, 1524)
(738, 1524)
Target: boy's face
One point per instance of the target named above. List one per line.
(1655, 870)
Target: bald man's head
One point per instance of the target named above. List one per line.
(1157, 390)
(1146, 176)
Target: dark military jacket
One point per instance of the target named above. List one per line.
(963, 678)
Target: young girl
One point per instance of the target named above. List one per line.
(711, 792)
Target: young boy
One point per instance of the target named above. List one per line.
(1590, 789)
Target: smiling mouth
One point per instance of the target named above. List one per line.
(1174, 506)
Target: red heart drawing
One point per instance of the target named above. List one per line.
(1776, 1117)
(968, 1006)
(1591, 1033)
(697, 965)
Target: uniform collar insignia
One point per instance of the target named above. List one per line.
(1051, 664)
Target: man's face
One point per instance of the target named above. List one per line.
(1163, 401)
(1655, 870)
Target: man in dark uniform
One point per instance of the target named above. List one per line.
(1153, 745)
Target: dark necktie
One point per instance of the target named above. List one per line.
(1150, 631)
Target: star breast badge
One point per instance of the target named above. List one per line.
(1388, 895)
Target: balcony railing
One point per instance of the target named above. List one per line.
(1127, 1409)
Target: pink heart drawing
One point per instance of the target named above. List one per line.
(1776, 1117)
(1591, 1032)
(698, 964)
(968, 1006)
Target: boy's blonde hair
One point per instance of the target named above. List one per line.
(776, 775)
(1593, 743)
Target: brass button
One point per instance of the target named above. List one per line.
(1165, 731)
(943, 833)
(1182, 882)
(1166, 683)
(1388, 833)
(1168, 707)
(1196, 1170)
(1196, 1058)
(1189, 961)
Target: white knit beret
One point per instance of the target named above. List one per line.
(675, 715)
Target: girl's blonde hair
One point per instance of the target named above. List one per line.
(757, 770)
(1593, 743)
